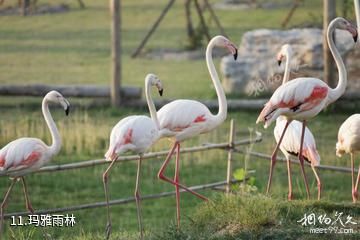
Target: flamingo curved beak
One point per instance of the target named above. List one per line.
(161, 92)
(67, 110)
(235, 54)
(279, 62)
(232, 48)
(66, 105)
(353, 30)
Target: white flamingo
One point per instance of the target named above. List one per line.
(134, 133)
(291, 140)
(303, 98)
(183, 119)
(349, 142)
(25, 155)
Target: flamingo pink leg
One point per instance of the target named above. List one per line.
(176, 180)
(290, 196)
(27, 199)
(138, 198)
(353, 186)
(273, 156)
(164, 178)
(357, 181)
(3, 204)
(301, 159)
(106, 188)
(29, 206)
(318, 181)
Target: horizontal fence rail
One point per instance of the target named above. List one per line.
(120, 201)
(268, 157)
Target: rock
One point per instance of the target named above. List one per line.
(256, 69)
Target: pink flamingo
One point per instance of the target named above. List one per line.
(183, 119)
(134, 133)
(26, 155)
(303, 98)
(349, 142)
(291, 140)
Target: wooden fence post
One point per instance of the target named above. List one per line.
(230, 156)
(329, 66)
(115, 52)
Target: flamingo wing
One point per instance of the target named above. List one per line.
(349, 135)
(294, 97)
(291, 141)
(21, 154)
(133, 133)
(183, 114)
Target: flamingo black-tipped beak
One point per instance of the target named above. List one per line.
(67, 110)
(161, 92)
(279, 62)
(355, 37)
(235, 54)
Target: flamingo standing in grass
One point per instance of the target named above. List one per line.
(291, 140)
(303, 98)
(349, 142)
(183, 119)
(25, 155)
(134, 133)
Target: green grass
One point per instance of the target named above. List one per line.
(85, 136)
(73, 48)
(260, 217)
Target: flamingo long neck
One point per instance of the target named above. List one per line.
(337, 92)
(357, 13)
(287, 68)
(56, 140)
(221, 115)
(150, 103)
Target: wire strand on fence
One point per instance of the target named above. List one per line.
(118, 201)
(268, 157)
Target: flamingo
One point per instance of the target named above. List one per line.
(290, 144)
(349, 142)
(183, 119)
(133, 133)
(303, 98)
(25, 155)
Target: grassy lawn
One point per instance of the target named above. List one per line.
(85, 136)
(73, 48)
(258, 217)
